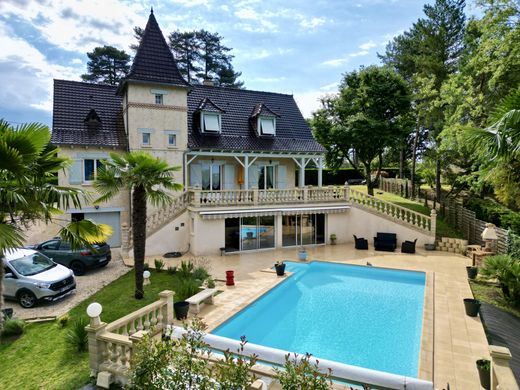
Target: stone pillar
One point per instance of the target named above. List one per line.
(305, 194)
(125, 240)
(246, 172)
(196, 196)
(347, 192)
(167, 311)
(255, 194)
(433, 216)
(95, 347)
(320, 172)
(301, 180)
(502, 376)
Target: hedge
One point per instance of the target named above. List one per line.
(493, 212)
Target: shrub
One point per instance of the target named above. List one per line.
(13, 327)
(159, 264)
(507, 272)
(300, 373)
(62, 321)
(77, 336)
(494, 212)
(513, 245)
(185, 269)
(186, 288)
(233, 372)
(210, 283)
(172, 270)
(200, 273)
(146, 266)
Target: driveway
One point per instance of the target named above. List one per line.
(86, 285)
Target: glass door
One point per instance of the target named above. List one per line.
(266, 177)
(266, 232)
(211, 177)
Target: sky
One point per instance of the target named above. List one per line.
(297, 47)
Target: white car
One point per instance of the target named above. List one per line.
(30, 276)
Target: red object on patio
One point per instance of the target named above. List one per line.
(230, 278)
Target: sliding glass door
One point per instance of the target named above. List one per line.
(304, 229)
(249, 233)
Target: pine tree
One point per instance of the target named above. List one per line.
(107, 65)
(186, 49)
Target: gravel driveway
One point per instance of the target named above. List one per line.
(86, 285)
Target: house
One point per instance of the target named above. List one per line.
(241, 152)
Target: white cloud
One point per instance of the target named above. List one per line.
(309, 102)
(329, 87)
(192, 3)
(266, 79)
(76, 61)
(335, 62)
(359, 53)
(312, 23)
(246, 13)
(368, 45)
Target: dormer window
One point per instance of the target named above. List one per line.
(158, 98)
(267, 125)
(210, 122)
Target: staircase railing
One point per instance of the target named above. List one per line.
(397, 213)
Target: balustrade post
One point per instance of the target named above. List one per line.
(433, 226)
(95, 347)
(347, 191)
(196, 195)
(502, 376)
(255, 194)
(125, 240)
(305, 194)
(167, 310)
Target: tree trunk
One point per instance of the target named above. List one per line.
(139, 236)
(438, 188)
(414, 158)
(1, 288)
(401, 163)
(368, 177)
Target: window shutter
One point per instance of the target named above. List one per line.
(229, 177)
(76, 172)
(195, 175)
(253, 176)
(281, 179)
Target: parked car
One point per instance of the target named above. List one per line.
(356, 181)
(31, 276)
(79, 260)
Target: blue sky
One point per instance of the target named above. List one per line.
(296, 47)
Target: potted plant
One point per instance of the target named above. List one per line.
(302, 254)
(471, 306)
(472, 272)
(333, 239)
(280, 268)
(484, 373)
(186, 288)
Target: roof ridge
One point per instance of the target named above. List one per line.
(240, 89)
(86, 83)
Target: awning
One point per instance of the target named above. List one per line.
(219, 214)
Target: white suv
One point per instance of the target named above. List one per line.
(31, 276)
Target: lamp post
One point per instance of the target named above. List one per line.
(489, 235)
(146, 277)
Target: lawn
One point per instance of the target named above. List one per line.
(443, 229)
(40, 359)
(491, 293)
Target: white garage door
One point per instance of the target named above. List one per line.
(112, 219)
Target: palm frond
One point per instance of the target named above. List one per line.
(10, 237)
(85, 233)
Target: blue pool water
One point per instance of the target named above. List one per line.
(364, 316)
(251, 232)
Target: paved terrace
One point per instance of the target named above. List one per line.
(458, 340)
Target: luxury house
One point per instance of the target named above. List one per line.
(243, 156)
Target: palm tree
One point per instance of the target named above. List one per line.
(28, 168)
(147, 178)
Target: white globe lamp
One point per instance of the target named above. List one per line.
(94, 310)
(146, 276)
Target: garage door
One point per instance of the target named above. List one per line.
(112, 219)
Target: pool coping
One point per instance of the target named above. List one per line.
(426, 352)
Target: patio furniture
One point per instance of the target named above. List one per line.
(385, 242)
(360, 243)
(479, 255)
(408, 246)
(205, 296)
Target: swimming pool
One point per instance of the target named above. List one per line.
(364, 316)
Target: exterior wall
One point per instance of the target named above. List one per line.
(366, 225)
(206, 236)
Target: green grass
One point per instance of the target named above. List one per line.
(443, 229)
(40, 359)
(492, 294)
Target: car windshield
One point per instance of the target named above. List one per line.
(32, 264)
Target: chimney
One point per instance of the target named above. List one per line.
(208, 82)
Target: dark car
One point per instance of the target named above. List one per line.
(79, 260)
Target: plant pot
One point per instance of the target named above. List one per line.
(484, 373)
(302, 255)
(429, 247)
(472, 306)
(472, 272)
(332, 242)
(280, 269)
(181, 310)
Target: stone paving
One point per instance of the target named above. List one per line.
(458, 340)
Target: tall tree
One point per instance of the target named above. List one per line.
(148, 178)
(138, 35)
(431, 49)
(366, 119)
(227, 77)
(106, 65)
(213, 54)
(28, 193)
(187, 52)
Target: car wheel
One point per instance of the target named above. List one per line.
(26, 299)
(78, 268)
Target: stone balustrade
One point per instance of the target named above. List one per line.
(397, 213)
(502, 376)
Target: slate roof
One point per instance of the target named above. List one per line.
(154, 61)
(293, 134)
(74, 102)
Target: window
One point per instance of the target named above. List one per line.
(210, 123)
(90, 169)
(158, 98)
(211, 175)
(267, 126)
(249, 233)
(266, 178)
(172, 139)
(145, 139)
(304, 229)
(51, 245)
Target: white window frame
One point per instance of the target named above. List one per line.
(149, 138)
(203, 116)
(96, 161)
(266, 119)
(264, 166)
(161, 99)
(172, 136)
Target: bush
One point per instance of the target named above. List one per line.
(13, 327)
(159, 264)
(146, 266)
(172, 270)
(300, 373)
(210, 283)
(77, 336)
(234, 371)
(186, 288)
(62, 321)
(200, 273)
(494, 212)
(513, 245)
(506, 271)
(185, 269)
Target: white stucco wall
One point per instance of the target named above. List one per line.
(167, 239)
(207, 235)
(364, 224)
